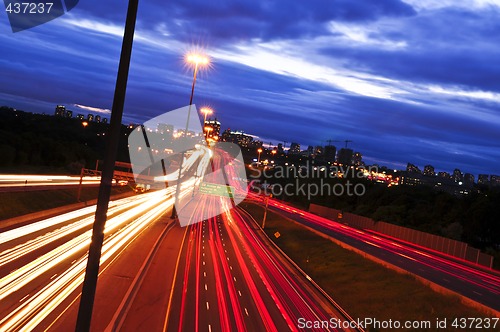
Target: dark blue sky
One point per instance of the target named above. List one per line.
(407, 81)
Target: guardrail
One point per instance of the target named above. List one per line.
(435, 242)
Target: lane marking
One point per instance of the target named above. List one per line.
(208, 307)
(173, 282)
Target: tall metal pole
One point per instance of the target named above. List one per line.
(265, 213)
(92, 270)
(177, 189)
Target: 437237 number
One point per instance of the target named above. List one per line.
(29, 8)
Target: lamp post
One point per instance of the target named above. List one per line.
(206, 111)
(113, 138)
(197, 60)
(259, 150)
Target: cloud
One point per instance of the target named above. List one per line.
(93, 109)
(270, 20)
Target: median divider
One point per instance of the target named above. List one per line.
(121, 313)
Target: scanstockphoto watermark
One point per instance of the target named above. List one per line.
(294, 181)
(309, 190)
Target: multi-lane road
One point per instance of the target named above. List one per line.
(228, 279)
(219, 273)
(22, 182)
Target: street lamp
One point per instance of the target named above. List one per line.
(206, 111)
(196, 60)
(259, 150)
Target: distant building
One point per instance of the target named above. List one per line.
(495, 180)
(318, 150)
(344, 156)
(80, 117)
(469, 179)
(330, 152)
(357, 159)
(410, 168)
(429, 170)
(294, 148)
(60, 111)
(166, 129)
(104, 120)
(214, 131)
(438, 183)
(69, 114)
(444, 175)
(483, 179)
(310, 149)
(98, 118)
(457, 175)
(238, 137)
(90, 117)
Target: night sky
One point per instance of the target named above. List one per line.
(407, 81)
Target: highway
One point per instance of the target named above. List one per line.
(226, 278)
(474, 283)
(28, 182)
(44, 262)
(220, 274)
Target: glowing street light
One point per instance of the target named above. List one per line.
(206, 111)
(197, 60)
(259, 150)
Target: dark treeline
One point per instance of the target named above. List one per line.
(29, 141)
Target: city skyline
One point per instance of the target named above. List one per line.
(377, 74)
(428, 169)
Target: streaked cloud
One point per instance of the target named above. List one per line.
(93, 109)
